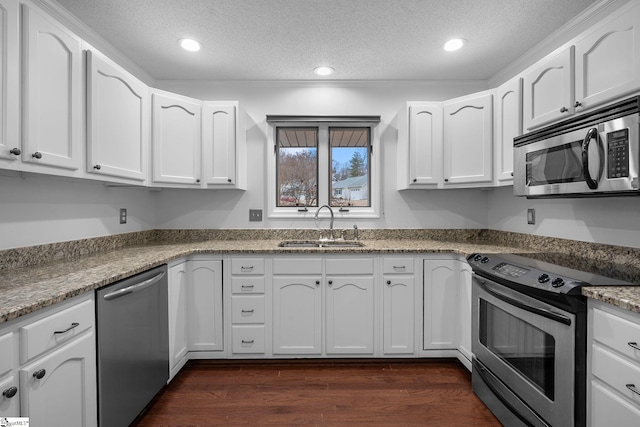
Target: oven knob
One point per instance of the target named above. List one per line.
(477, 257)
(557, 282)
(543, 278)
(484, 260)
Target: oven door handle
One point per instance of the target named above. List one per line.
(539, 311)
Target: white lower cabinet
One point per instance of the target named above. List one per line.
(248, 334)
(613, 359)
(195, 310)
(398, 314)
(440, 304)
(464, 313)
(48, 365)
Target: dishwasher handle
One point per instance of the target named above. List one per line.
(133, 288)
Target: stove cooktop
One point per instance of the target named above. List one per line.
(534, 271)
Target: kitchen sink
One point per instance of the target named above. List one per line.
(320, 244)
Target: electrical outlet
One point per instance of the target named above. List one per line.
(255, 215)
(123, 216)
(531, 216)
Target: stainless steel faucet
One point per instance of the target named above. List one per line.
(331, 223)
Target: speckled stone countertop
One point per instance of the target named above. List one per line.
(32, 278)
(26, 289)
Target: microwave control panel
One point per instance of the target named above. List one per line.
(618, 154)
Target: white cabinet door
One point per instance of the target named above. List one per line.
(62, 386)
(10, 148)
(349, 320)
(53, 122)
(425, 143)
(468, 139)
(9, 397)
(464, 306)
(205, 306)
(548, 90)
(297, 315)
(178, 309)
(440, 304)
(219, 132)
(508, 126)
(608, 60)
(398, 314)
(117, 121)
(176, 139)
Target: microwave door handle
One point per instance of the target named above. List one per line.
(593, 133)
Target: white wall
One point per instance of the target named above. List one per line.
(610, 220)
(38, 209)
(406, 209)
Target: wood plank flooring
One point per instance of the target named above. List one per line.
(319, 393)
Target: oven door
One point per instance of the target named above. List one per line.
(527, 345)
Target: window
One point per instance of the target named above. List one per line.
(318, 162)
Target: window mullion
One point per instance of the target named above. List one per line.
(323, 165)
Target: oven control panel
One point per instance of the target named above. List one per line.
(522, 273)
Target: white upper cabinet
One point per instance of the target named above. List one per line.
(548, 90)
(10, 147)
(425, 143)
(468, 139)
(52, 92)
(176, 139)
(117, 121)
(608, 60)
(219, 138)
(508, 125)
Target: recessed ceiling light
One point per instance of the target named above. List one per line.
(323, 71)
(190, 45)
(454, 44)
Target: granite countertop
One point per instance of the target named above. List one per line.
(27, 289)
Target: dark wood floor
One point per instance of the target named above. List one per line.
(321, 393)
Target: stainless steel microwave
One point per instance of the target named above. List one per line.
(595, 154)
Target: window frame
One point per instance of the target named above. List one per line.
(323, 123)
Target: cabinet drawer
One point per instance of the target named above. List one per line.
(248, 339)
(8, 350)
(297, 266)
(350, 266)
(397, 265)
(247, 266)
(247, 285)
(617, 333)
(55, 329)
(247, 309)
(616, 371)
(607, 409)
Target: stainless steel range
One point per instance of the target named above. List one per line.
(529, 339)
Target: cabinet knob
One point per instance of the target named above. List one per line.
(577, 104)
(229, 180)
(39, 374)
(10, 392)
(198, 181)
(388, 282)
(15, 151)
(415, 179)
(564, 109)
(446, 180)
(317, 282)
(37, 155)
(330, 282)
(97, 167)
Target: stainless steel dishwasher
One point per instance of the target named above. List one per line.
(133, 345)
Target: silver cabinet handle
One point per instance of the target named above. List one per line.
(246, 268)
(399, 267)
(248, 341)
(247, 287)
(633, 388)
(73, 325)
(10, 392)
(134, 288)
(634, 345)
(39, 374)
(248, 311)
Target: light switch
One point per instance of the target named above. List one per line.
(531, 216)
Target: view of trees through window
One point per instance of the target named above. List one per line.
(297, 167)
(349, 166)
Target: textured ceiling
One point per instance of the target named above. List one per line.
(287, 39)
